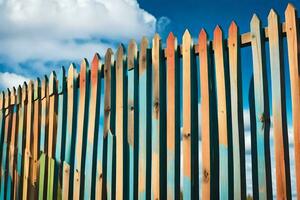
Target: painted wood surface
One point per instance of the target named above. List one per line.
(94, 102)
(131, 130)
(205, 87)
(279, 112)
(52, 128)
(155, 128)
(222, 113)
(143, 102)
(237, 120)
(173, 110)
(120, 59)
(81, 129)
(261, 109)
(70, 135)
(27, 153)
(292, 32)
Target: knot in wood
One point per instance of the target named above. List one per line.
(205, 176)
(156, 105)
(186, 135)
(107, 109)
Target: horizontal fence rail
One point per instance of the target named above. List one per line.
(128, 125)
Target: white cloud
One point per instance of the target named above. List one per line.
(55, 30)
(9, 80)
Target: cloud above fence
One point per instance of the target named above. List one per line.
(35, 34)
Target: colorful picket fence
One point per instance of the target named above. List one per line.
(118, 129)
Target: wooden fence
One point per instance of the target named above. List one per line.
(119, 130)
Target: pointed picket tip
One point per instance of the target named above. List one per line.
(233, 27)
(144, 41)
(255, 20)
(84, 65)
(132, 54)
(120, 56)
(19, 94)
(37, 85)
(186, 34)
(52, 82)
(202, 35)
(120, 50)
(96, 63)
(290, 8)
(109, 52)
(61, 79)
(171, 37)
(156, 37)
(272, 14)
(30, 88)
(218, 31)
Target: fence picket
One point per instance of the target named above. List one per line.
(292, 33)
(11, 153)
(43, 135)
(81, 129)
(173, 117)
(71, 117)
(132, 134)
(92, 134)
(261, 109)
(120, 123)
(237, 113)
(61, 130)
(279, 112)
(143, 102)
(27, 153)
(20, 140)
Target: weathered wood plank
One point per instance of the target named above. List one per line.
(155, 175)
(173, 118)
(190, 120)
(27, 153)
(143, 102)
(52, 128)
(131, 66)
(120, 131)
(205, 87)
(20, 141)
(261, 107)
(61, 130)
(43, 136)
(222, 113)
(71, 117)
(81, 129)
(101, 186)
(33, 172)
(292, 33)
(94, 101)
(5, 150)
(237, 120)
(11, 153)
(279, 109)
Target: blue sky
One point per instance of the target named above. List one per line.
(37, 36)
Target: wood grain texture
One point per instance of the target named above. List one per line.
(237, 120)
(5, 146)
(261, 109)
(94, 106)
(131, 90)
(120, 59)
(279, 112)
(292, 33)
(27, 153)
(223, 112)
(33, 172)
(71, 117)
(143, 101)
(205, 83)
(52, 129)
(82, 120)
(189, 120)
(173, 132)
(155, 175)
